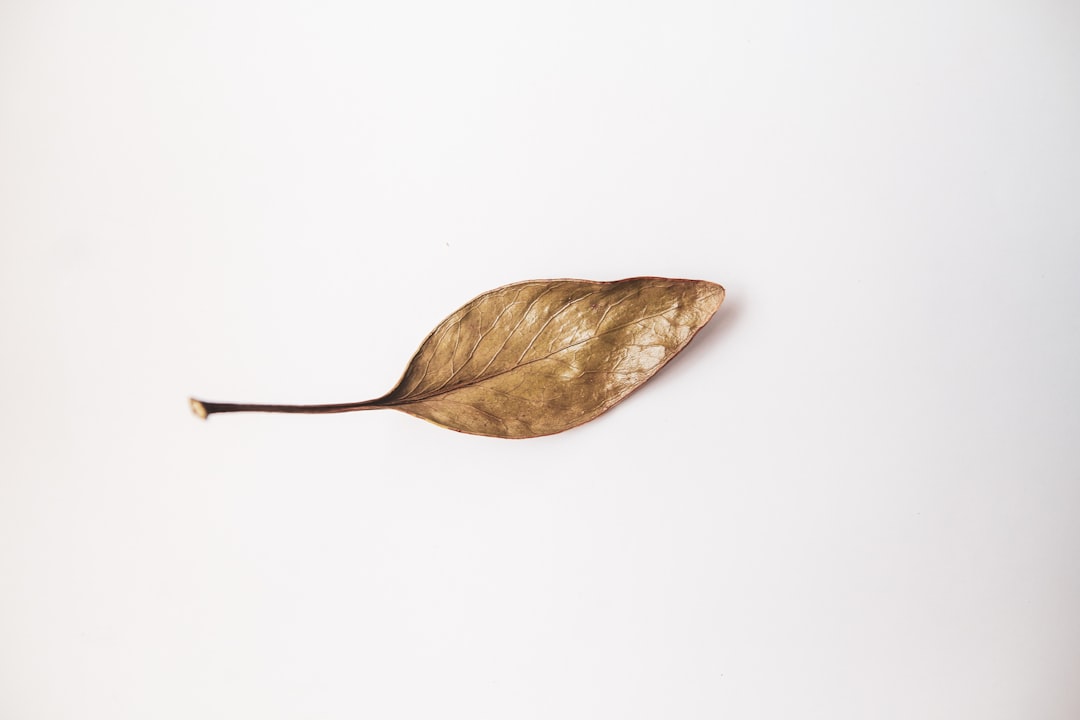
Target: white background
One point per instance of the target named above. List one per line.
(856, 495)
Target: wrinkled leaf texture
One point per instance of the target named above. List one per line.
(539, 357)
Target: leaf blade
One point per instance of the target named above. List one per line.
(556, 354)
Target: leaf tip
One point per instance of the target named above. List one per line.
(198, 408)
(715, 294)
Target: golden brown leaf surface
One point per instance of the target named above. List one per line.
(539, 357)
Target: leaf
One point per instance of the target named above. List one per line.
(538, 357)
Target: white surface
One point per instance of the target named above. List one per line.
(857, 495)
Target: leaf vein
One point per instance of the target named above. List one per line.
(479, 380)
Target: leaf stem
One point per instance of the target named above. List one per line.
(205, 409)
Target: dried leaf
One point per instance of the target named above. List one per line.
(538, 357)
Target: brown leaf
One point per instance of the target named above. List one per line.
(538, 357)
